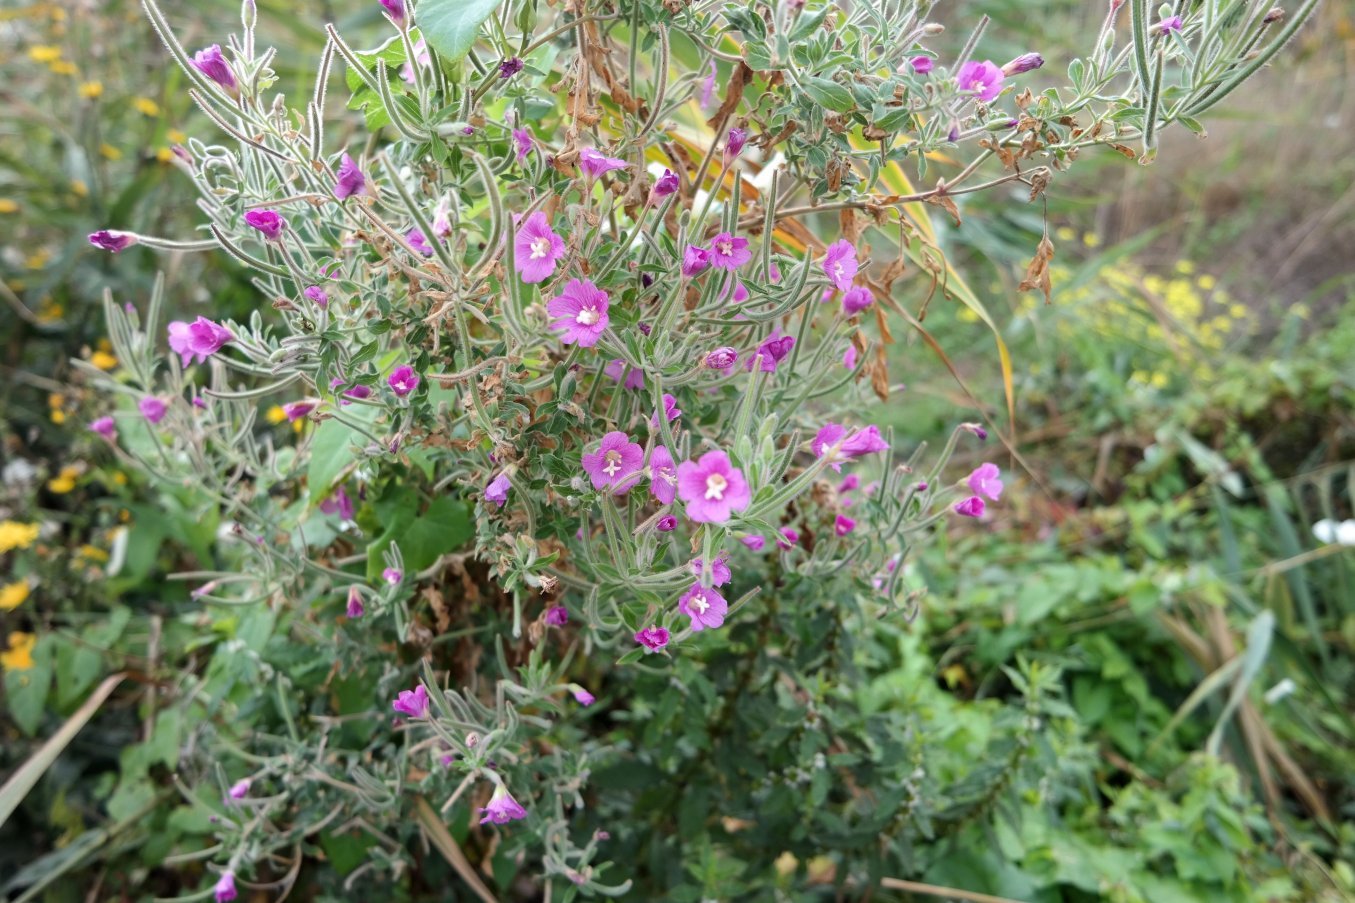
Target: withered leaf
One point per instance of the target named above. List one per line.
(738, 80)
(1037, 274)
(947, 204)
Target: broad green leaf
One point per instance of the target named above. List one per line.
(828, 94)
(451, 26)
(26, 690)
(331, 449)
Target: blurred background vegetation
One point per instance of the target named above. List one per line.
(1184, 417)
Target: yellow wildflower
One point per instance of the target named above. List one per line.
(275, 414)
(19, 655)
(146, 107)
(49, 311)
(119, 479)
(93, 553)
(91, 89)
(44, 53)
(79, 188)
(38, 259)
(1206, 282)
(110, 152)
(103, 360)
(64, 482)
(164, 154)
(8, 205)
(1065, 233)
(1185, 267)
(176, 136)
(1091, 240)
(1237, 311)
(14, 535)
(63, 67)
(12, 595)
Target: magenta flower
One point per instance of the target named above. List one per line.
(413, 703)
(581, 309)
(652, 638)
(419, 242)
(225, 888)
(536, 249)
(112, 240)
(756, 543)
(864, 442)
(338, 503)
(1023, 63)
(629, 377)
(350, 179)
(970, 507)
(522, 139)
(502, 807)
(422, 57)
(616, 459)
(152, 408)
(670, 410)
(719, 569)
(393, 576)
(199, 339)
(354, 391)
(268, 222)
(666, 524)
(582, 696)
(833, 442)
(734, 146)
(712, 488)
(497, 490)
(728, 252)
(985, 481)
(295, 410)
(403, 380)
(510, 67)
(558, 616)
(210, 62)
(355, 608)
(843, 525)
(839, 264)
(721, 358)
(1171, 23)
(662, 475)
(739, 294)
(787, 538)
(705, 607)
(856, 299)
(708, 85)
(694, 260)
(317, 294)
(104, 426)
(921, 64)
(983, 80)
(395, 9)
(239, 790)
(849, 357)
(770, 353)
(666, 185)
(594, 164)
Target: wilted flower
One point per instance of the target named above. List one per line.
(662, 475)
(728, 252)
(594, 164)
(652, 638)
(317, 294)
(985, 481)
(1171, 23)
(268, 222)
(581, 309)
(771, 352)
(712, 488)
(983, 79)
(112, 240)
(734, 146)
(616, 459)
(670, 410)
(666, 524)
(152, 408)
(557, 616)
(522, 139)
(721, 358)
(510, 67)
(199, 339)
(350, 180)
(338, 503)
(413, 703)
(502, 808)
(705, 607)
(536, 249)
(225, 888)
(694, 260)
(210, 62)
(1023, 63)
(856, 299)
(403, 380)
(970, 507)
(497, 490)
(355, 608)
(104, 426)
(666, 185)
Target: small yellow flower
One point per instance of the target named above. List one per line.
(12, 595)
(14, 535)
(58, 416)
(79, 188)
(164, 154)
(119, 479)
(63, 67)
(176, 136)
(103, 360)
(49, 311)
(110, 152)
(146, 107)
(7, 205)
(64, 482)
(1065, 233)
(275, 414)
(92, 89)
(1206, 282)
(1091, 240)
(19, 655)
(93, 553)
(1238, 311)
(58, 14)
(38, 259)
(44, 53)
(1185, 267)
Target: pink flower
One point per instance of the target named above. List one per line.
(581, 309)
(104, 426)
(705, 607)
(708, 85)
(295, 410)
(721, 358)
(355, 608)
(849, 482)
(739, 294)
(419, 242)
(239, 790)
(670, 410)
(536, 249)
(728, 252)
(833, 442)
(152, 408)
(985, 481)
(756, 543)
(666, 524)
(510, 67)
(225, 888)
(857, 299)
(422, 57)
(497, 490)
(354, 391)
(921, 64)
(582, 696)
(393, 576)
(211, 63)
(983, 80)
(719, 569)
(350, 181)
(770, 353)
(395, 9)
(839, 264)
(199, 339)
(317, 294)
(694, 260)
(267, 222)
(338, 503)
(502, 808)
(662, 475)
(403, 380)
(594, 164)
(666, 185)
(112, 240)
(734, 146)
(970, 507)
(843, 525)
(558, 616)
(849, 357)
(1024, 63)
(652, 638)
(413, 703)
(788, 538)
(616, 459)
(629, 377)
(864, 442)
(522, 140)
(712, 488)
(1171, 23)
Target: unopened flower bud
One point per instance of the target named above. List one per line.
(1275, 15)
(721, 358)
(933, 28)
(1023, 63)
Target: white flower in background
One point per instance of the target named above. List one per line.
(1329, 531)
